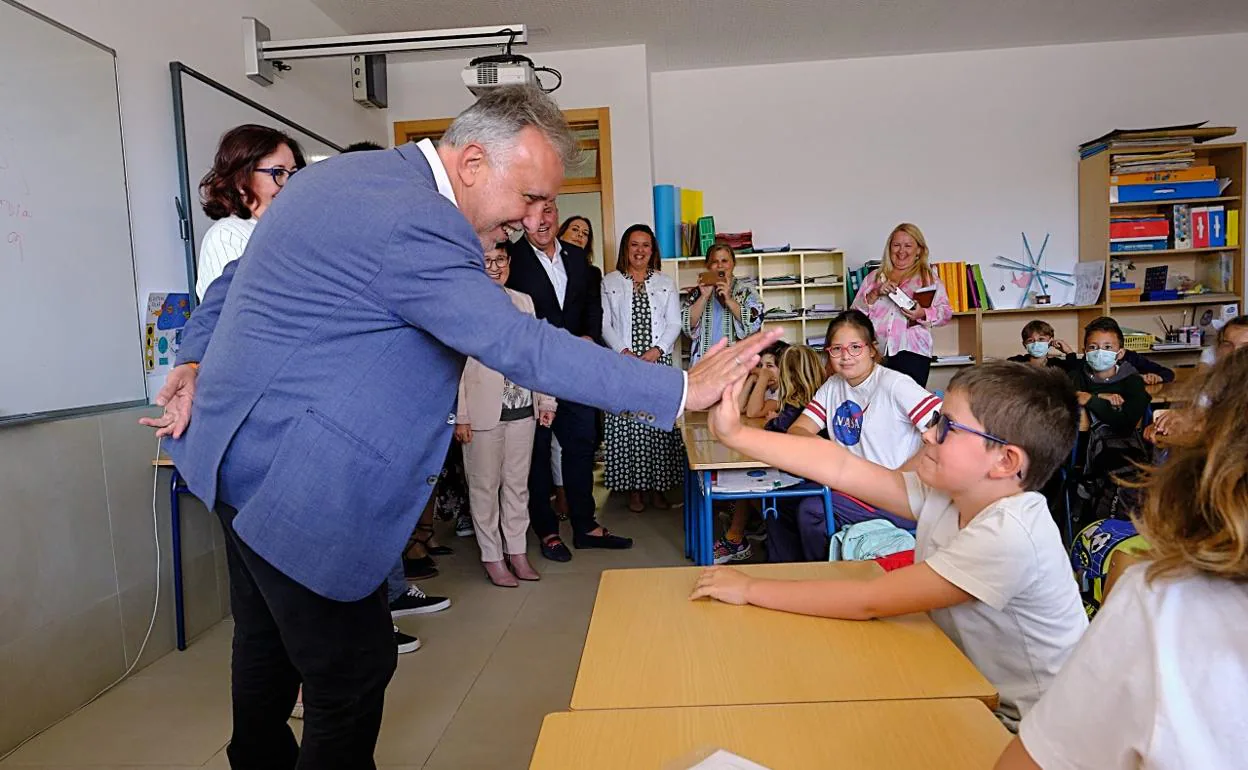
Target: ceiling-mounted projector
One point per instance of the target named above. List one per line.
(505, 69)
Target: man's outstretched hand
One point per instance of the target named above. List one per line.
(176, 397)
(722, 365)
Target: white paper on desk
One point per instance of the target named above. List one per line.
(726, 760)
(759, 480)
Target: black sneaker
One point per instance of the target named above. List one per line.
(416, 602)
(463, 526)
(404, 642)
(420, 569)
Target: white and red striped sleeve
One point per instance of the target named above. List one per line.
(916, 402)
(817, 409)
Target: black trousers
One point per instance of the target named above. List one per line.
(284, 634)
(576, 427)
(913, 365)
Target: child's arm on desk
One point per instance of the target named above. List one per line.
(910, 589)
(825, 462)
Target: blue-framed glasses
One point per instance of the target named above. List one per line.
(279, 174)
(944, 425)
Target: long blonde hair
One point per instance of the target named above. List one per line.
(1194, 513)
(920, 266)
(801, 374)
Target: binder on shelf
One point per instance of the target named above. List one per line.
(984, 296)
(1181, 223)
(1134, 193)
(1136, 229)
(667, 219)
(1200, 227)
(1217, 226)
(1232, 227)
(1126, 247)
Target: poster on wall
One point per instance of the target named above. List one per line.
(167, 314)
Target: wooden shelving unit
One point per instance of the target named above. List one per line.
(798, 295)
(1095, 211)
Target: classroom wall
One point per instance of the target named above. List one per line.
(77, 559)
(613, 77)
(974, 147)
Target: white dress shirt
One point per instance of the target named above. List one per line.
(440, 177)
(554, 268)
(222, 244)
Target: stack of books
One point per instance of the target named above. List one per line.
(1153, 138)
(856, 277)
(965, 286)
(1138, 232)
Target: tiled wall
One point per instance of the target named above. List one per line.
(78, 564)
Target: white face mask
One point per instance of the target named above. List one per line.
(1101, 360)
(1038, 349)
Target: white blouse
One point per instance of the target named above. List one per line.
(222, 244)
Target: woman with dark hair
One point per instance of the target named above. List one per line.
(641, 318)
(577, 231)
(251, 167)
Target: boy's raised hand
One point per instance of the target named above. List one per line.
(723, 583)
(725, 417)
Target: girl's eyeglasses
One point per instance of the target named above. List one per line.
(279, 174)
(854, 349)
(944, 425)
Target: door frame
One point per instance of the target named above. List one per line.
(579, 119)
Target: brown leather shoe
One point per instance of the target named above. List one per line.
(521, 567)
(499, 574)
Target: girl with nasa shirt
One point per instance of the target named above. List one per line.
(876, 413)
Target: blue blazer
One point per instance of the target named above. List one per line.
(330, 357)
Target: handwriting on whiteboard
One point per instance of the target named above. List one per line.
(15, 240)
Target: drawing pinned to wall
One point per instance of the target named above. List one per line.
(1025, 275)
(167, 314)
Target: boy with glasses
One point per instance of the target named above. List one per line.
(989, 567)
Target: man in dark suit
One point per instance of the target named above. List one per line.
(558, 277)
(321, 374)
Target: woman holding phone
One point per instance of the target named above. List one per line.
(721, 306)
(904, 331)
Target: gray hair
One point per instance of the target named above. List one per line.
(499, 116)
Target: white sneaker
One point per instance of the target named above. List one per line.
(404, 642)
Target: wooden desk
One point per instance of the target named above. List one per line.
(953, 734)
(649, 646)
(710, 455)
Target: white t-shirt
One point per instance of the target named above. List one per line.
(1010, 557)
(222, 244)
(1158, 682)
(881, 419)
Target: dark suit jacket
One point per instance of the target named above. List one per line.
(581, 313)
(330, 357)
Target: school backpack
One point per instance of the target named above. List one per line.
(1093, 554)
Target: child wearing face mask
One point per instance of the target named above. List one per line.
(1044, 349)
(1108, 388)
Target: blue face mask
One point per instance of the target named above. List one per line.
(1038, 349)
(1101, 360)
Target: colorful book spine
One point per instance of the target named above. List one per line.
(1193, 174)
(1217, 226)
(985, 299)
(1124, 247)
(1139, 228)
(1200, 227)
(1232, 227)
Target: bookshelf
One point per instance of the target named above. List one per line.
(1200, 264)
(821, 280)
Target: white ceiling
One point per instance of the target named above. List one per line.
(692, 34)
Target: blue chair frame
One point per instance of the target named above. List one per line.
(700, 498)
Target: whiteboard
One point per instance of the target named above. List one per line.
(69, 318)
(204, 110)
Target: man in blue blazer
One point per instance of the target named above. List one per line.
(320, 374)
